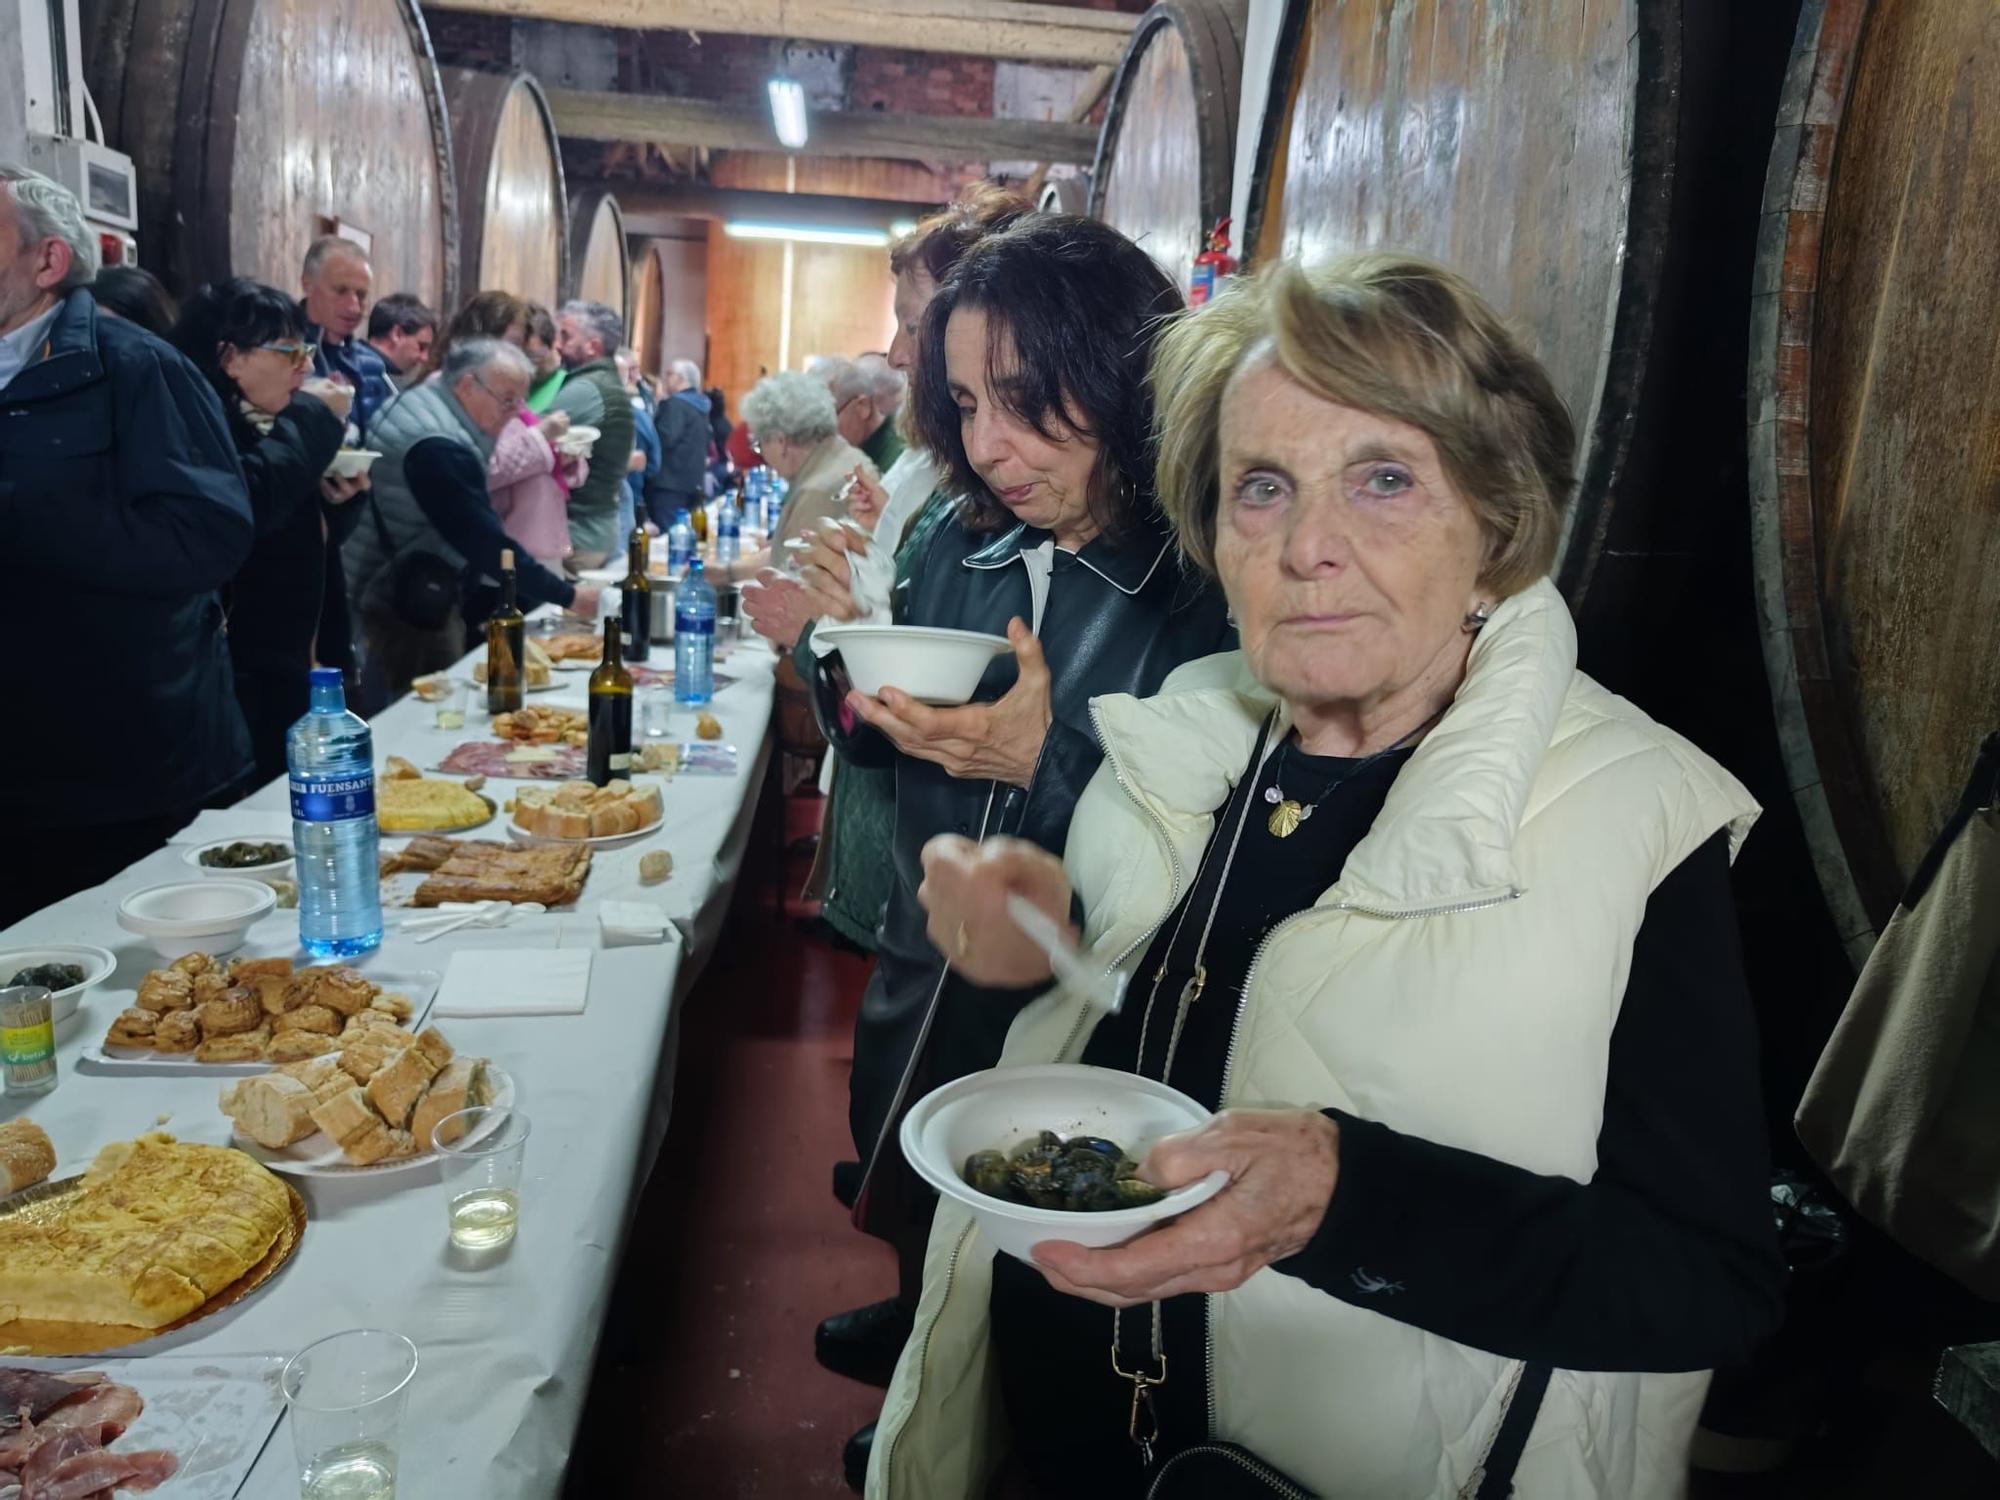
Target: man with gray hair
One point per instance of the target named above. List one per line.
(122, 512)
(336, 280)
(864, 420)
(423, 565)
(682, 419)
(587, 336)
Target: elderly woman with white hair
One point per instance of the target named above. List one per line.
(793, 428)
(1441, 927)
(683, 418)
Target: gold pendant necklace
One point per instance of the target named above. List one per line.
(1287, 813)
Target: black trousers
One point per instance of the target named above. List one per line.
(77, 859)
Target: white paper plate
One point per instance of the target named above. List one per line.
(317, 1156)
(521, 835)
(97, 966)
(421, 987)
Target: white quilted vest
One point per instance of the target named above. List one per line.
(1460, 983)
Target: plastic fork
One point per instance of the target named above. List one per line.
(1104, 991)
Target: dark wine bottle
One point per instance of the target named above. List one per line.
(637, 609)
(506, 646)
(610, 752)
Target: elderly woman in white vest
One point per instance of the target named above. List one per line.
(1440, 926)
(423, 564)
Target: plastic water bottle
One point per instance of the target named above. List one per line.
(331, 757)
(728, 530)
(694, 638)
(776, 492)
(680, 543)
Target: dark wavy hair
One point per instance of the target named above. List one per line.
(239, 312)
(485, 315)
(137, 296)
(1073, 309)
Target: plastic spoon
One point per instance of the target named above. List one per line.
(1104, 991)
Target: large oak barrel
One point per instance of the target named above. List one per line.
(648, 304)
(1875, 431)
(1529, 145)
(256, 125)
(1165, 158)
(513, 212)
(599, 261)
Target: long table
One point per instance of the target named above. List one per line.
(506, 1347)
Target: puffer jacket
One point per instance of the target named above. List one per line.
(1459, 982)
(1119, 617)
(122, 511)
(525, 480)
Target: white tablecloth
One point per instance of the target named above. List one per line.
(506, 1347)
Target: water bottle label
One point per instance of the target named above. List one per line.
(685, 624)
(333, 799)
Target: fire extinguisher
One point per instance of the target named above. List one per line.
(1211, 266)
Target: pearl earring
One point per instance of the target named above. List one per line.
(1475, 621)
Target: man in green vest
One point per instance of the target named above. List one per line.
(587, 337)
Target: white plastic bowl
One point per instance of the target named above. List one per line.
(1002, 1107)
(196, 916)
(277, 867)
(97, 966)
(350, 463)
(580, 439)
(931, 664)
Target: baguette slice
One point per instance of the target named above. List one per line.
(273, 1110)
(375, 1143)
(460, 1086)
(26, 1155)
(396, 1088)
(431, 1042)
(345, 1116)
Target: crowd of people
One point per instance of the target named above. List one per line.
(1290, 730)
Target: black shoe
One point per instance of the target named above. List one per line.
(863, 1344)
(854, 1458)
(847, 1182)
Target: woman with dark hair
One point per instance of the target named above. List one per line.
(1031, 396)
(136, 296)
(484, 315)
(250, 341)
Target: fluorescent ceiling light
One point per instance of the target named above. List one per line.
(740, 230)
(788, 112)
(902, 227)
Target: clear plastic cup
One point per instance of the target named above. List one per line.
(346, 1396)
(481, 1149)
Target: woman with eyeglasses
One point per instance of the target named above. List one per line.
(250, 341)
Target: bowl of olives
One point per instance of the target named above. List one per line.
(257, 859)
(65, 970)
(1052, 1152)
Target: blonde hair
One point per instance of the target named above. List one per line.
(1401, 338)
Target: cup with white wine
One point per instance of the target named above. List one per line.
(481, 1149)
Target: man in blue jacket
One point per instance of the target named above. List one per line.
(122, 512)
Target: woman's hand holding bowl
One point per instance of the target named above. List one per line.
(998, 741)
(1282, 1165)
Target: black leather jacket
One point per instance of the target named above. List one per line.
(1119, 618)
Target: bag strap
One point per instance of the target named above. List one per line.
(1981, 790)
(1512, 1438)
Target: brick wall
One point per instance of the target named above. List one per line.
(921, 83)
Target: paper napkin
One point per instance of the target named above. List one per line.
(515, 982)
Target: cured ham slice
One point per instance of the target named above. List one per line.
(507, 758)
(58, 1447)
(35, 1392)
(100, 1472)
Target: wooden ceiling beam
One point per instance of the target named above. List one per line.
(1012, 30)
(650, 210)
(722, 127)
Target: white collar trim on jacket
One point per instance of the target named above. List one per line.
(1445, 837)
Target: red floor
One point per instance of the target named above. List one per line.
(706, 1383)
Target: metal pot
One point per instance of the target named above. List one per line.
(663, 608)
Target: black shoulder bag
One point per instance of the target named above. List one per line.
(423, 587)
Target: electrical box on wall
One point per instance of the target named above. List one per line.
(50, 118)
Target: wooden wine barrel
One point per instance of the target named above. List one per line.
(1875, 431)
(600, 264)
(256, 125)
(513, 212)
(648, 300)
(1166, 156)
(1529, 145)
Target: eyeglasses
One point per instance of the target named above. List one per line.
(756, 445)
(508, 404)
(298, 352)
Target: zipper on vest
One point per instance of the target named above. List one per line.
(1173, 898)
(924, 1349)
(1272, 1479)
(1513, 893)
